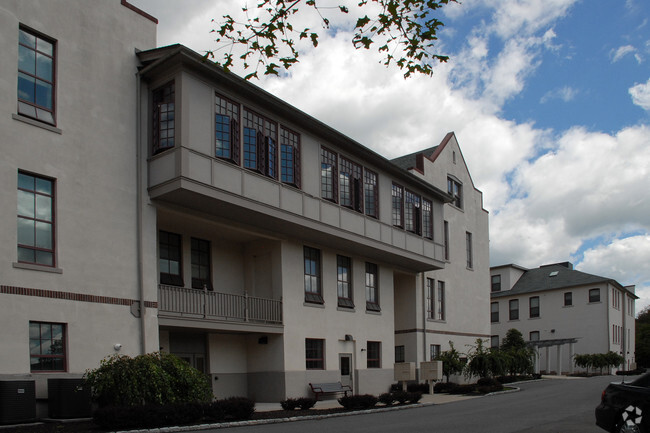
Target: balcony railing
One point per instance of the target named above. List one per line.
(218, 306)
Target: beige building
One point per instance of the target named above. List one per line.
(563, 312)
(153, 201)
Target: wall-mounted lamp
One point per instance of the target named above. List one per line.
(348, 337)
(363, 350)
(117, 347)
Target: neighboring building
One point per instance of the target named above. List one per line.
(153, 201)
(450, 302)
(563, 312)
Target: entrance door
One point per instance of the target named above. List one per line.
(345, 366)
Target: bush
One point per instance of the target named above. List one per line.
(401, 396)
(357, 402)
(237, 408)
(463, 389)
(290, 404)
(306, 403)
(387, 398)
(486, 385)
(418, 387)
(414, 397)
(444, 387)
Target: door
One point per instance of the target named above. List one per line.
(345, 366)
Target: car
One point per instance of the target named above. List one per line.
(625, 407)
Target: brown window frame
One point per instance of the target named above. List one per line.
(373, 354)
(344, 287)
(229, 133)
(164, 103)
(372, 287)
(266, 151)
(169, 278)
(28, 107)
(36, 248)
(37, 342)
(314, 355)
(397, 205)
(455, 189)
(350, 184)
(329, 175)
(201, 250)
(290, 145)
(371, 193)
(312, 268)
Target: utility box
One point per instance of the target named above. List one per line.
(431, 370)
(17, 401)
(404, 371)
(68, 398)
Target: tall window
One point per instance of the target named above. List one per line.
(371, 189)
(399, 354)
(201, 264)
(36, 85)
(534, 306)
(494, 312)
(455, 189)
(431, 291)
(594, 295)
(351, 185)
(328, 175)
(164, 122)
(398, 205)
(290, 157)
(260, 144)
(344, 281)
(412, 212)
(170, 258)
(447, 240)
(469, 248)
(568, 299)
(314, 354)
(440, 301)
(434, 352)
(494, 342)
(226, 129)
(514, 309)
(427, 219)
(373, 349)
(35, 220)
(496, 283)
(372, 288)
(47, 346)
(312, 276)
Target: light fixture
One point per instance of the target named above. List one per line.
(117, 347)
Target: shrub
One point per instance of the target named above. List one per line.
(386, 398)
(418, 387)
(238, 408)
(486, 385)
(365, 401)
(306, 403)
(463, 389)
(444, 387)
(401, 396)
(290, 404)
(414, 397)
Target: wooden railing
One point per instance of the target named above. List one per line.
(218, 306)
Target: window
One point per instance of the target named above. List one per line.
(398, 205)
(36, 85)
(344, 281)
(314, 354)
(594, 295)
(412, 212)
(468, 243)
(494, 342)
(35, 220)
(447, 240)
(226, 129)
(260, 144)
(351, 185)
(514, 309)
(534, 336)
(568, 299)
(290, 157)
(47, 346)
(163, 118)
(432, 298)
(455, 189)
(534, 306)
(328, 175)
(434, 351)
(372, 288)
(496, 283)
(201, 264)
(170, 258)
(371, 193)
(312, 276)
(399, 354)
(427, 219)
(374, 354)
(440, 301)
(494, 312)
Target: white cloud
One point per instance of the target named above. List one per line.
(641, 95)
(621, 52)
(565, 94)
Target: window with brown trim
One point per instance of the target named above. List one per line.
(372, 287)
(35, 220)
(226, 129)
(36, 75)
(260, 144)
(290, 157)
(169, 261)
(328, 175)
(455, 189)
(427, 218)
(398, 205)
(313, 291)
(314, 354)
(164, 118)
(201, 275)
(351, 185)
(371, 191)
(440, 301)
(373, 350)
(47, 347)
(431, 298)
(400, 355)
(344, 281)
(412, 213)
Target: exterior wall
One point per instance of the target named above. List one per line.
(90, 155)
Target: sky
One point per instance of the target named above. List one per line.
(549, 101)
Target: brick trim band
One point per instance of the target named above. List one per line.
(71, 296)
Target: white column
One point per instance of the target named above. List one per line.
(559, 359)
(548, 359)
(571, 355)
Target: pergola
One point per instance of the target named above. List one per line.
(559, 344)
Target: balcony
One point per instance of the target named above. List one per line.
(183, 307)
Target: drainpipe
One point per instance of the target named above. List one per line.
(424, 317)
(139, 235)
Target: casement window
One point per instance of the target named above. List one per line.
(399, 354)
(314, 354)
(594, 295)
(290, 157)
(494, 342)
(533, 302)
(313, 291)
(328, 175)
(496, 283)
(201, 264)
(446, 234)
(514, 309)
(398, 205)
(35, 220)
(260, 144)
(373, 349)
(47, 347)
(36, 76)
(371, 191)
(427, 219)
(351, 185)
(455, 189)
(434, 352)
(344, 281)
(226, 129)
(431, 293)
(412, 212)
(533, 336)
(169, 262)
(469, 248)
(164, 118)
(440, 301)
(372, 287)
(568, 299)
(494, 312)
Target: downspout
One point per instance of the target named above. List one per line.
(139, 240)
(424, 318)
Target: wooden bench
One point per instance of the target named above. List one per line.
(329, 388)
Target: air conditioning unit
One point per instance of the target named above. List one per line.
(17, 401)
(68, 398)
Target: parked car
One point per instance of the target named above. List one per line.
(625, 407)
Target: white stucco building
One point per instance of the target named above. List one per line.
(153, 201)
(563, 312)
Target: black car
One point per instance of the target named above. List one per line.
(625, 407)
